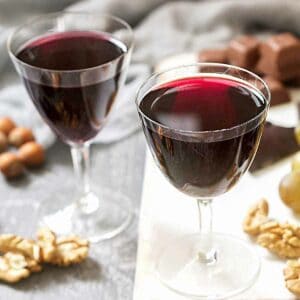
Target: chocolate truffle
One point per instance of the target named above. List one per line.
(244, 51)
(213, 55)
(279, 93)
(280, 56)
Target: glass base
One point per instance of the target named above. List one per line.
(94, 217)
(182, 270)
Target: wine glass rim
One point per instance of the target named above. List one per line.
(42, 17)
(208, 64)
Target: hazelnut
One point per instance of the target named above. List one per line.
(6, 125)
(10, 165)
(20, 135)
(31, 154)
(3, 141)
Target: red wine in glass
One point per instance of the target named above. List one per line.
(72, 65)
(202, 167)
(75, 111)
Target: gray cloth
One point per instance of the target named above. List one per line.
(170, 28)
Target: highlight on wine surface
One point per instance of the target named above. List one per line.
(203, 167)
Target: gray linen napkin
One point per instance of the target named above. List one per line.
(161, 30)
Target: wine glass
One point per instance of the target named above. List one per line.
(203, 123)
(73, 65)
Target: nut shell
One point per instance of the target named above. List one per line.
(19, 136)
(10, 165)
(6, 125)
(31, 154)
(289, 190)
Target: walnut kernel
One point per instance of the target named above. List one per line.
(257, 215)
(62, 251)
(292, 276)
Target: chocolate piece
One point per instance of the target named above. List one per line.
(279, 93)
(213, 55)
(244, 51)
(280, 56)
(294, 82)
(276, 143)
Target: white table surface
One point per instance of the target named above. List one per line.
(167, 214)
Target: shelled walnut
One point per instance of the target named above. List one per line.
(281, 239)
(13, 267)
(62, 251)
(292, 276)
(21, 257)
(257, 215)
(14, 243)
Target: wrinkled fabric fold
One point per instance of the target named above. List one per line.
(161, 29)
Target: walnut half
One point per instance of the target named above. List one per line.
(62, 251)
(13, 267)
(257, 215)
(281, 239)
(20, 258)
(14, 243)
(292, 276)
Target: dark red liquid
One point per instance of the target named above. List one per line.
(74, 104)
(199, 165)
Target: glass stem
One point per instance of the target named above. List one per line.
(207, 253)
(87, 202)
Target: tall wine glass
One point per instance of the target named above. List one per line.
(203, 124)
(73, 65)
